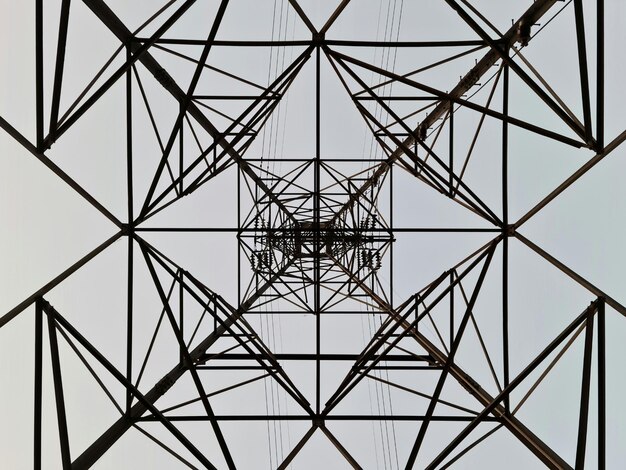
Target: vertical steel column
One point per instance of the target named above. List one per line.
(451, 151)
(58, 68)
(129, 183)
(181, 161)
(129, 326)
(451, 298)
(38, 386)
(238, 237)
(316, 212)
(184, 103)
(582, 65)
(505, 229)
(392, 236)
(451, 194)
(600, 75)
(39, 74)
(601, 387)
(58, 393)
(181, 317)
(583, 418)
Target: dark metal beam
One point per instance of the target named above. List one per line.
(331, 417)
(38, 386)
(130, 256)
(601, 386)
(7, 317)
(184, 104)
(39, 98)
(58, 69)
(583, 417)
(572, 274)
(448, 96)
(303, 16)
(600, 73)
(312, 357)
(546, 455)
(117, 27)
(534, 13)
(189, 362)
(386, 337)
(316, 215)
(478, 206)
(296, 449)
(296, 200)
(514, 425)
(319, 41)
(233, 319)
(81, 462)
(333, 17)
(525, 23)
(57, 170)
(342, 450)
(505, 235)
(122, 425)
(338, 230)
(582, 66)
(89, 102)
(449, 361)
(616, 142)
(58, 393)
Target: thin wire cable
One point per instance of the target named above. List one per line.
(282, 153)
(263, 316)
(369, 385)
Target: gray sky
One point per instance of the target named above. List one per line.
(46, 227)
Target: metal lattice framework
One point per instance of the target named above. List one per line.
(316, 236)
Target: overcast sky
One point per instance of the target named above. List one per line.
(46, 227)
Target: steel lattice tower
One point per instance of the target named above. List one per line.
(316, 240)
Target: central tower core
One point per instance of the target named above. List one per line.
(310, 239)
